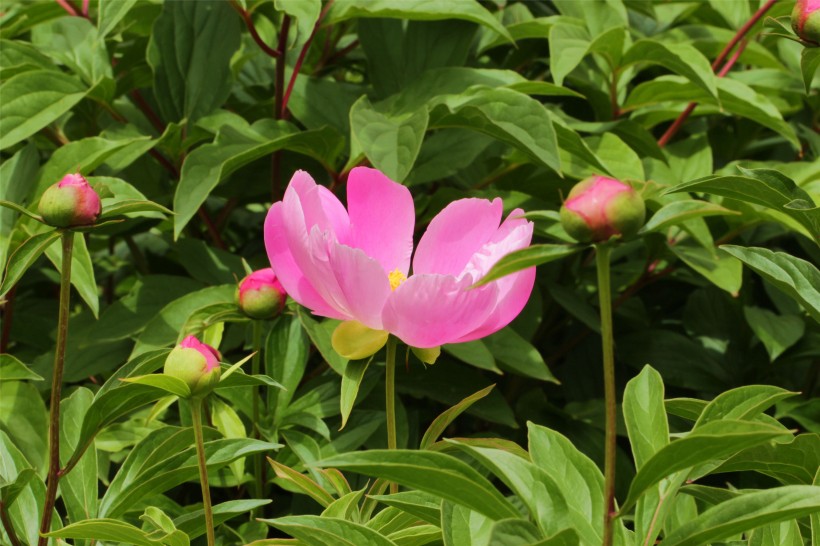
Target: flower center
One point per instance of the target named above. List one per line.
(396, 277)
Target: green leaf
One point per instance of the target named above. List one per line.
(286, 356)
(527, 257)
(82, 270)
(435, 473)
(11, 369)
(683, 59)
(26, 501)
(390, 141)
(797, 278)
(506, 115)
(111, 12)
(190, 51)
(573, 41)
(764, 187)
(711, 442)
(18, 173)
(427, 10)
(677, 212)
(474, 353)
(515, 353)
(17, 56)
(106, 530)
(329, 531)
(424, 506)
(320, 333)
(726, 274)
(24, 257)
(777, 332)
(351, 381)
(23, 417)
(20, 209)
(302, 483)
(794, 463)
(809, 62)
(193, 523)
(440, 423)
(208, 165)
(746, 512)
(128, 206)
(74, 42)
(9, 491)
(33, 100)
(169, 384)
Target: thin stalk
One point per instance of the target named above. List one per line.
(196, 416)
(602, 252)
(255, 362)
(278, 95)
(390, 399)
(56, 389)
(9, 526)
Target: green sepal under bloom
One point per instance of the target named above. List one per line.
(428, 356)
(354, 341)
(191, 367)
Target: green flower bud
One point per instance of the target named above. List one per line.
(260, 295)
(599, 208)
(195, 363)
(70, 202)
(806, 20)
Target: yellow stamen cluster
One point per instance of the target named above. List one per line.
(396, 277)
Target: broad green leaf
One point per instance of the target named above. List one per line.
(286, 355)
(742, 403)
(74, 42)
(33, 100)
(795, 277)
(193, 523)
(786, 533)
(225, 419)
(440, 423)
(431, 472)
(17, 174)
(329, 531)
(515, 353)
(746, 512)
(506, 115)
(17, 56)
(10, 490)
(169, 384)
(78, 488)
(320, 333)
(677, 212)
(208, 165)
(11, 369)
(809, 63)
(724, 273)
(129, 206)
(764, 187)
(423, 10)
(514, 532)
(461, 526)
(527, 257)
(23, 417)
(25, 503)
(24, 257)
(712, 442)
(111, 12)
(777, 332)
(579, 479)
(302, 483)
(537, 489)
(794, 463)
(424, 506)
(305, 12)
(573, 41)
(108, 530)
(475, 353)
(680, 58)
(351, 381)
(82, 270)
(189, 52)
(390, 141)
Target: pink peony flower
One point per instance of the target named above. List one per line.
(354, 264)
(806, 20)
(598, 208)
(70, 202)
(260, 295)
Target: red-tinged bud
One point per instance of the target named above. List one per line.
(260, 295)
(599, 208)
(806, 20)
(196, 363)
(70, 202)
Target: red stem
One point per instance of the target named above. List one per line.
(246, 16)
(8, 313)
(68, 7)
(85, 9)
(676, 125)
(146, 109)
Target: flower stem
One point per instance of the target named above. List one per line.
(196, 416)
(56, 389)
(255, 362)
(390, 399)
(602, 251)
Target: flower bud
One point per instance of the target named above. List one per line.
(260, 295)
(806, 20)
(196, 363)
(599, 208)
(70, 202)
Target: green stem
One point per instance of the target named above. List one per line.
(602, 251)
(56, 389)
(196, 416)
(390, 398)
(255, 365)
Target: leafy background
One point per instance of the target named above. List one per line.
(206, 108)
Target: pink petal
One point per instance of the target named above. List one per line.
(455, 235)
(352, 283)
(319, 206)
(513, 290)
(382, 218)
(284, 265)
(431, 310)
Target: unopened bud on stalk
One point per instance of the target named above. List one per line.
(195, 363)
(260, 295)
(70, 202)
(599, 208)
(806, 20)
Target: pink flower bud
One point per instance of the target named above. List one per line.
(806, 20)
(599, 208)
(195, 363)
(70, 202)
(260, 295)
